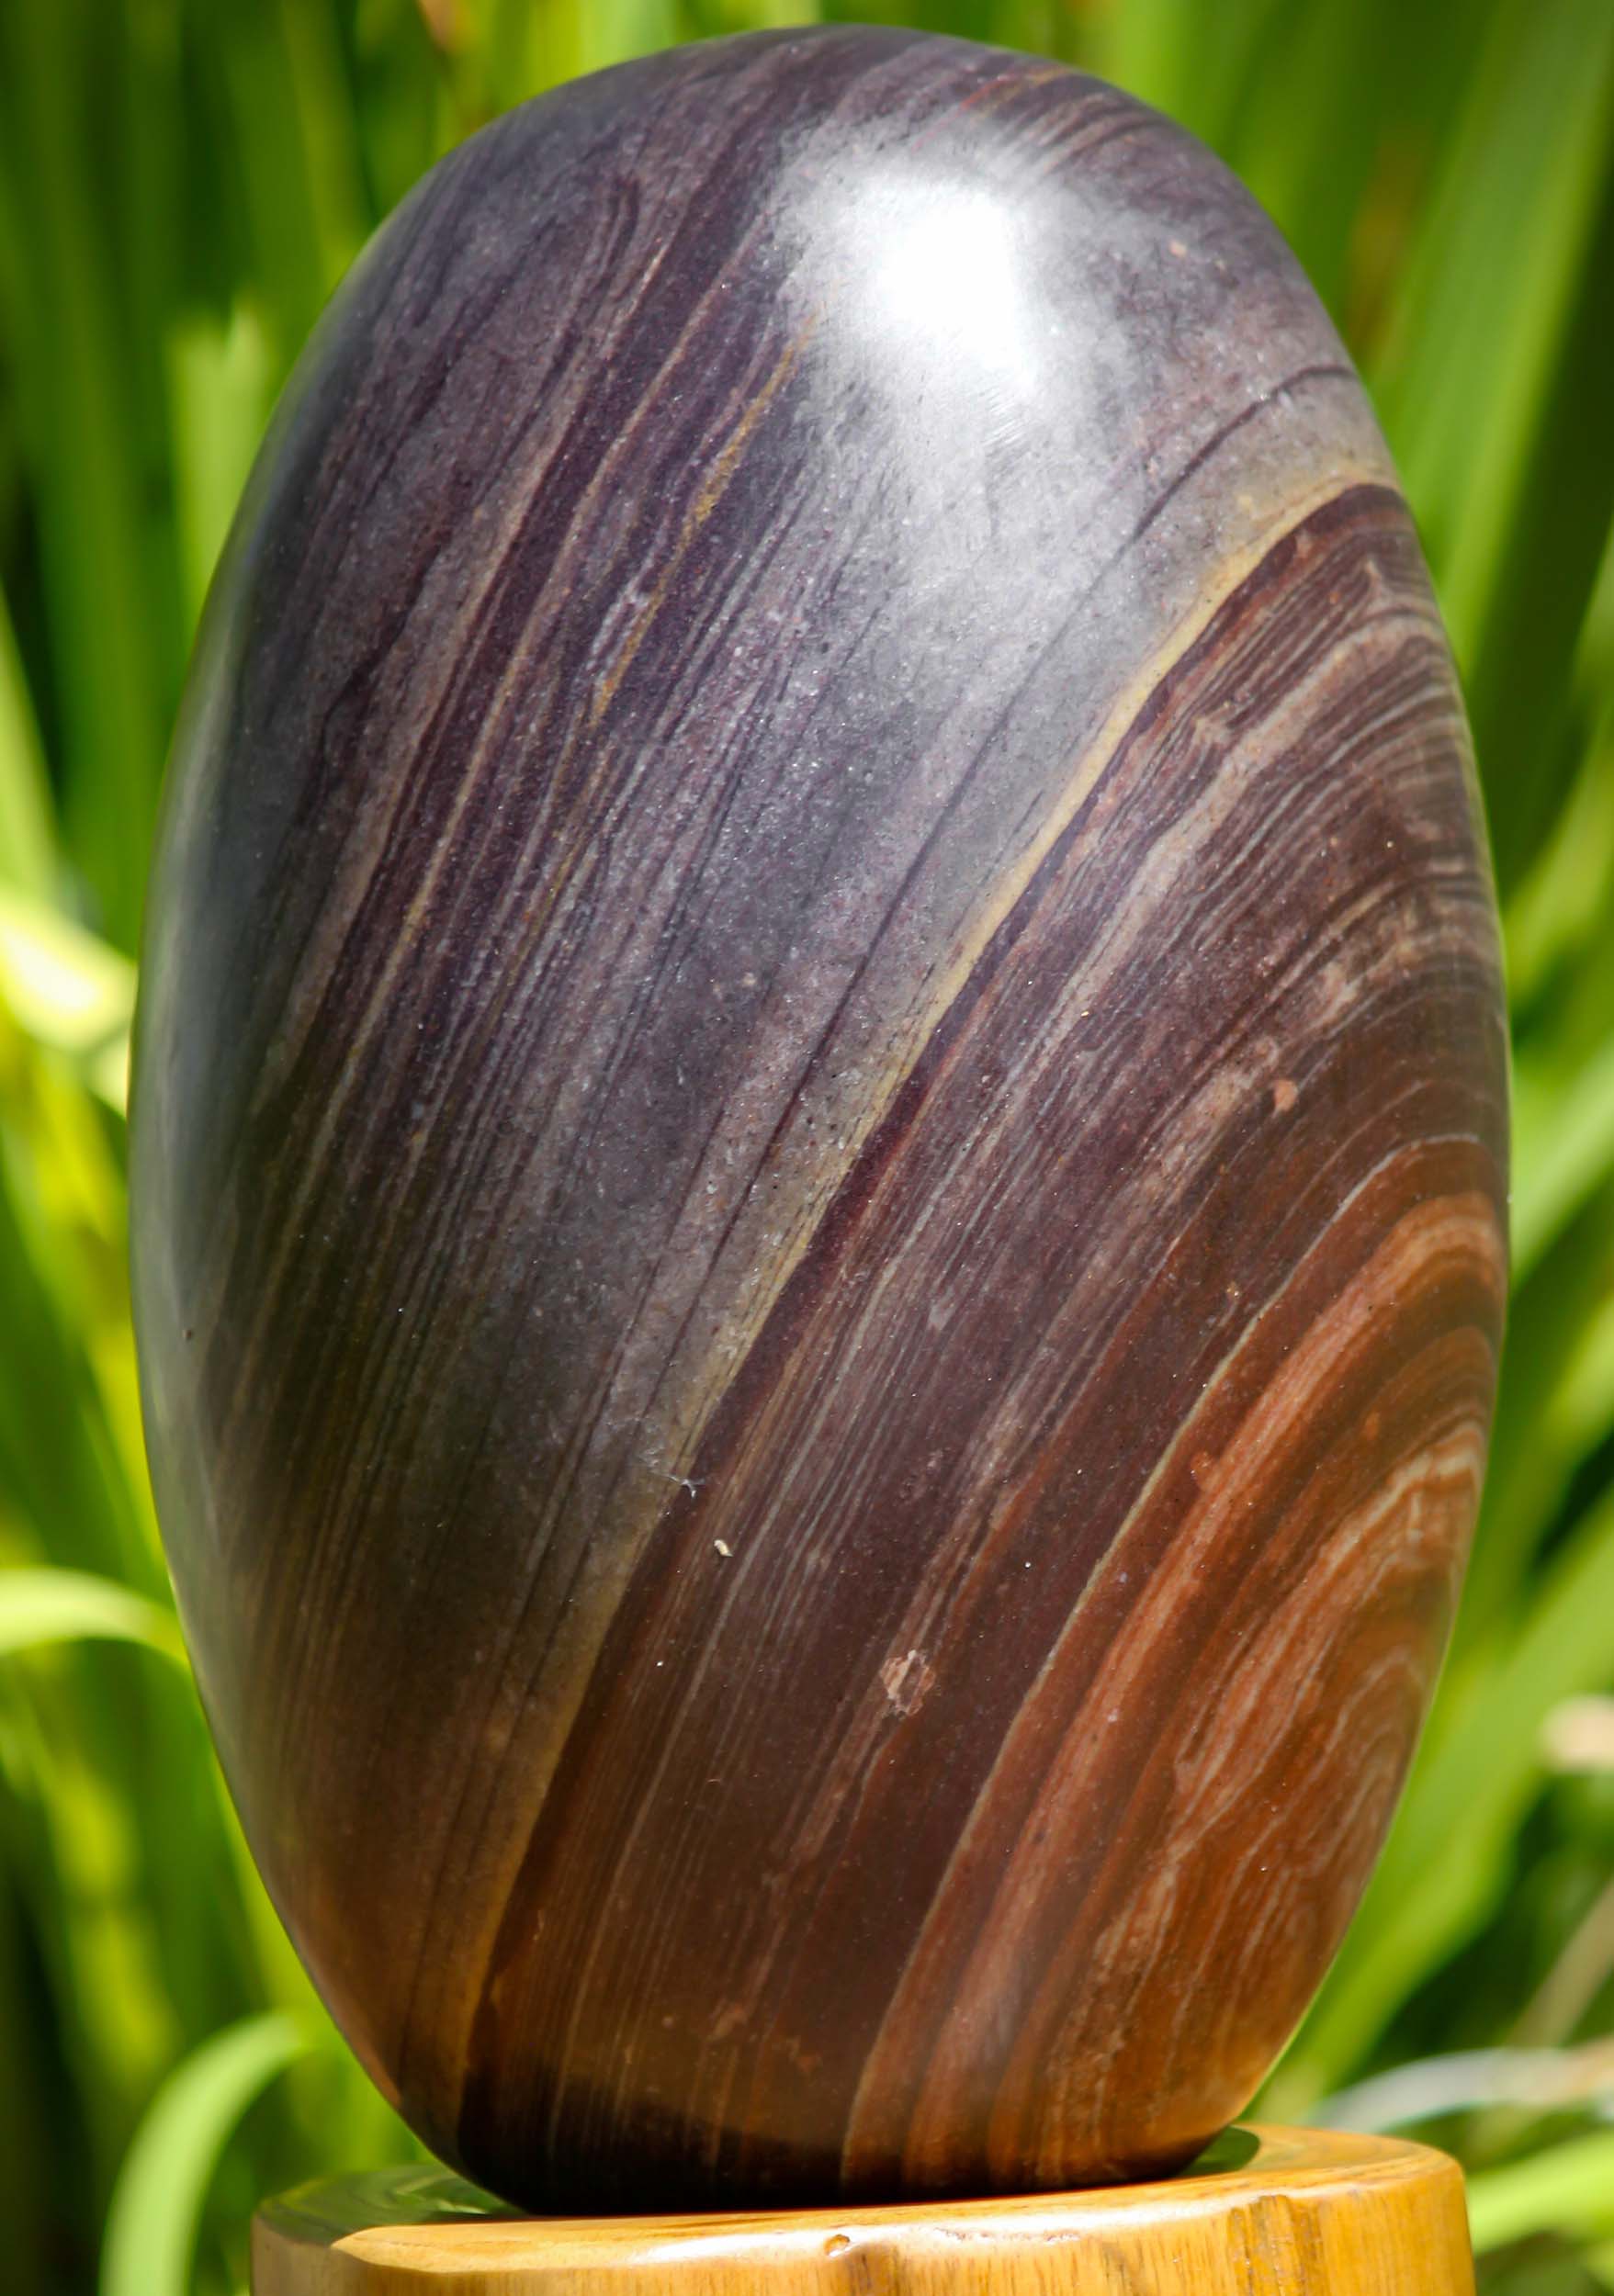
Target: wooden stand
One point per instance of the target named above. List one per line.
(1266, 2212)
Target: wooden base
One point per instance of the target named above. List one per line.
(1265, 2212)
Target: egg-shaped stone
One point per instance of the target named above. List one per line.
(818, 1142)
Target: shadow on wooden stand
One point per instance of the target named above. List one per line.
(1266, 2212)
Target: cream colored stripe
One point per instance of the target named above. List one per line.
(714, 1374)
(948, 982)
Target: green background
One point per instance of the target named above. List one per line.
(182, 182)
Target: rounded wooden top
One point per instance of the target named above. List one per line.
(1264, 2213)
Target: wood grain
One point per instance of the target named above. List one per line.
(1283, 2212)
(819, 1138)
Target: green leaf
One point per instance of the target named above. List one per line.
(299, 169)
(1486, 298)
(157, 2202)
(1569, 894)
(28, 858)
(1569, 2188)
(1565, 1143)
(75, 390)
(50, 1606)
(64, 987)
(219, 387)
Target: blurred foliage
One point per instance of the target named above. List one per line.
(182, 182)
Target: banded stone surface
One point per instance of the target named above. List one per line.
(819, 1143)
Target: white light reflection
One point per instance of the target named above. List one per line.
(948, 278)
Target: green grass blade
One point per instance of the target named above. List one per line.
(1564, 1144)
(50, 1606)
(157, 2207)
(74, 1840)
(220, 393)
(1508, 228)
(1568, 2188)
(68, 989)
(28, 844)
(82, 432)
(300, 230)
